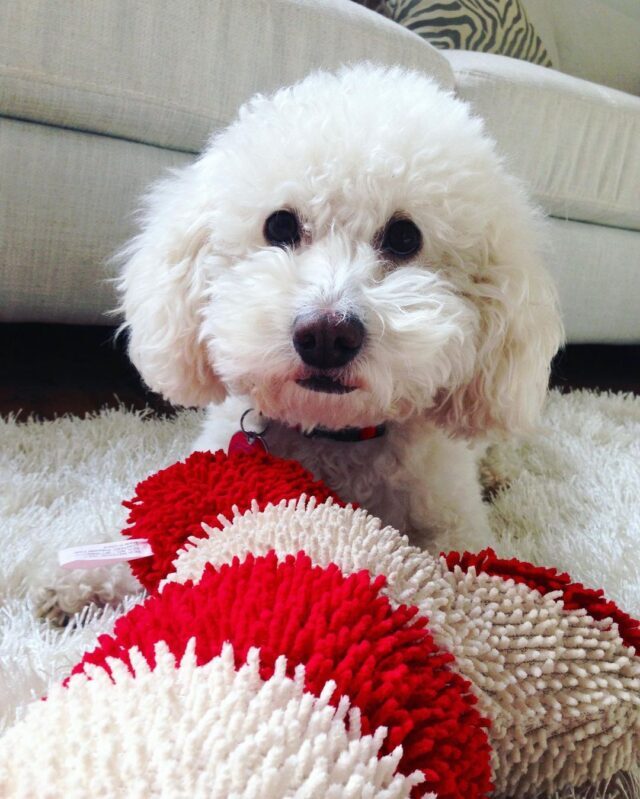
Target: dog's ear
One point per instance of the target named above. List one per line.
(163, 287)
(519, 333)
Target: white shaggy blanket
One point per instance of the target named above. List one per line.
(573, 502)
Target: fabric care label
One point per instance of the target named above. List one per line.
(93, 555)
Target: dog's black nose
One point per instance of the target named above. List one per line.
(327, 341)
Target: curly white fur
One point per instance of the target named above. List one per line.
(459, 337)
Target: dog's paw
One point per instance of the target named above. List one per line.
(494, 476)
(49, 607)
(65, 596)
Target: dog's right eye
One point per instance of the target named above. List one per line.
(282, 229)
(401, 238)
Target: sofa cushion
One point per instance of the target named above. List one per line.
(167, 73)
(595, 269)
(575, 143)
(500, 26)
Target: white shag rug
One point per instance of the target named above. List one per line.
(573, 502)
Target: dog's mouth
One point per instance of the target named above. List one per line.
(325, 385)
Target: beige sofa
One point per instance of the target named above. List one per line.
(99, 99)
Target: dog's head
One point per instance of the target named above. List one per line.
(349, 251)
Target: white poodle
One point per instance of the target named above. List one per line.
(350, 260)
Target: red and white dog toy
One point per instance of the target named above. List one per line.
(291, 646)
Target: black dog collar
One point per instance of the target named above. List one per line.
(348, 433)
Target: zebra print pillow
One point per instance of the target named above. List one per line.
(490, 26)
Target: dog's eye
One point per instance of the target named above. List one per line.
(401, 238)
(282, 229)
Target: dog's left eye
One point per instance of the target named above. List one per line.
(401, 238)
(282, 229)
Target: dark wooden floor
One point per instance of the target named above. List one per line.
(49, 370)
